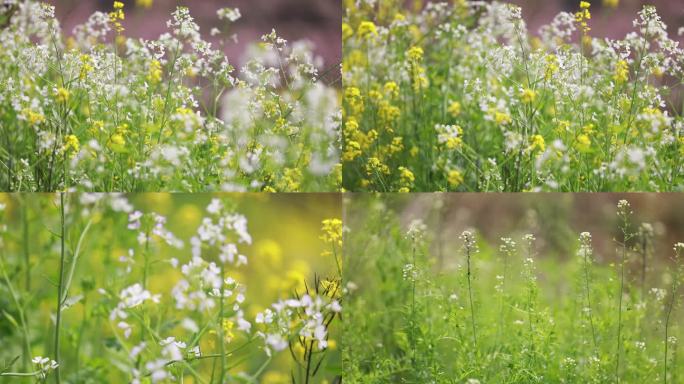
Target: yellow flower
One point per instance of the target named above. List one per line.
(621, 72)
(502, 118)
(32, 117)
(391, 88)
(117, 16)
(353, 97)
(414, 151)
(528, 96)
(415, 54)
(86, 66)
(611, 3)
(228, 334)
(332, 231)
(154, 75)
(583, 15)
(347, 31)
(367, 30)
(551, 66)
(583, 143)
(374, 166)
(454, 108)
(71, 145)
(397, 144)
(406, 177)
(117, 143)
(454, 178)
(144, 3)
(62, 95)
(352, 150)
(537, 143)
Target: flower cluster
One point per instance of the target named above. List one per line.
(103, 111)
(305, 318)
(464, 98)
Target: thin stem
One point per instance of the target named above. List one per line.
(413, 305)
(586, 288)
(308, 362)
(27, 261)
(622, 283)
(470, 295)
(59, 289)
(670, 306)
(220, 329)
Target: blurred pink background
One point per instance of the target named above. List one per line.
(316, 20)
(606, 21)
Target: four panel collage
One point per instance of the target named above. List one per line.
(329, 191)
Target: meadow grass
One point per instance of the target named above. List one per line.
(112, 291)
(96, 110)
(460, 96)
(504, 312)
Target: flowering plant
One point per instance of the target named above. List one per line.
(460, 97)
(100, 111)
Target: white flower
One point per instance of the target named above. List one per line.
(44, 365)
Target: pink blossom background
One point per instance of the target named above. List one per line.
(316, 20)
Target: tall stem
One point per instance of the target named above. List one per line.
(59, 289)
(622, 284)
(220, 329)
(586, 288)
(470, 296)
(27, 261)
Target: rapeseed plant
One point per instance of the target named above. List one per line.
(479, 103)
(520, 319)
(103, 111)
(125, 298)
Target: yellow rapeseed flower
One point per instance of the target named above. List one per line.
(502, 118)
(144, 3)
(528, 96)
(32, 117)
(621, 72)
(332, 231)
(62, 95)
(415, 54)
(154, 74)
(551, 66)
(86, 66)
(347, 31)
(611, 3)
(71, 145)
(537, 143)
(367, 30)
(406, 176)
(117, 16)
(454, 108)
(391, 88)
(454, 178)
(583, 143)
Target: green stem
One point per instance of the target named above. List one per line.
(59, 290)
(470, 296)
(619, 333)
(220, 330)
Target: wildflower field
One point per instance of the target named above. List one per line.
(526, 296)
(460, 96)
(96, 110)
(159, 288)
